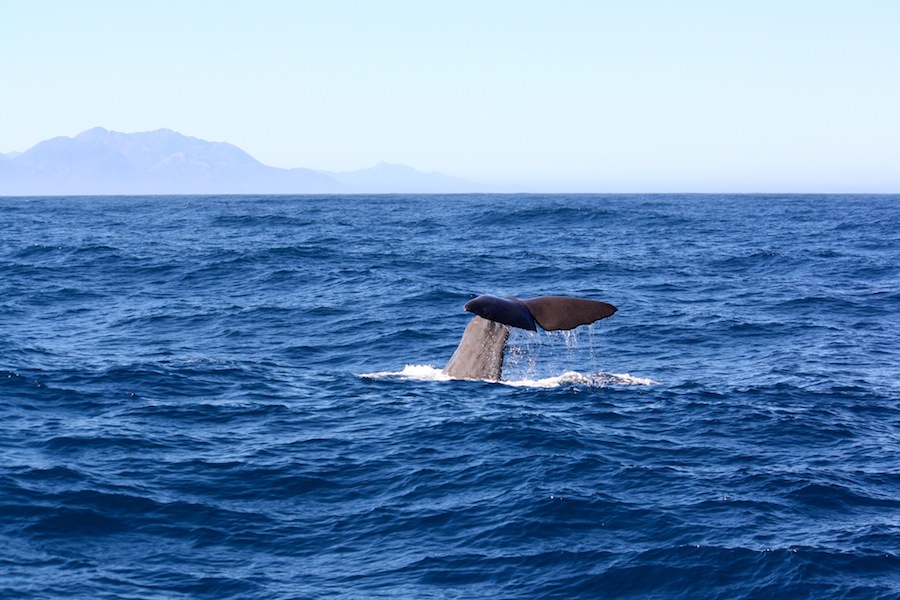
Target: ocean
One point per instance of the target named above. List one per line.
(242, 397)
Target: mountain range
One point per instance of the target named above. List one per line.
(102, 162)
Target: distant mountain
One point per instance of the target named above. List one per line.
(386, 177)
(98, 162)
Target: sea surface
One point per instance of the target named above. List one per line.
(242, 397)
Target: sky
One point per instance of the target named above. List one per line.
(562, 95)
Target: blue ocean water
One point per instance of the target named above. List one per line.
(241, 397)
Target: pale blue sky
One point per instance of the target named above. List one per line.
(564, 95)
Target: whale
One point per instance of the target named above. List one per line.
(480, 352)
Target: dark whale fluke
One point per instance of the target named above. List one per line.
(553, 313)
(481, 349)
(509, 311)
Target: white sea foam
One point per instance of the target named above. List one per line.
(417, 372)
(569, 378)
(588, 380)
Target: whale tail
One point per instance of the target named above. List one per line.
(481, 349)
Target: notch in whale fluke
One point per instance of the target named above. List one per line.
(550, 312)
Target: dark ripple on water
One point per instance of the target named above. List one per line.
(184, 413)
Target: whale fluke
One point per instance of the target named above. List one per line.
(483, 344)
(509, 311)
(553, 313)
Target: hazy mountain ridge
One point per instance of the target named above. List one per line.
(98, 161)
(387, 177)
